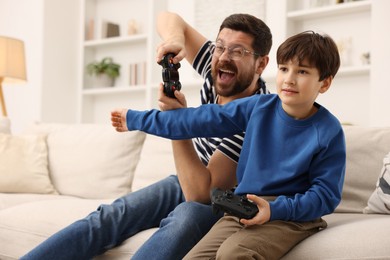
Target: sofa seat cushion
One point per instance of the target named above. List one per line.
(19, 234)
(348, 236)
(13, 199)
(128, 248)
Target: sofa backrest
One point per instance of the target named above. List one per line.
(366, 148)
(156, 162)
(90, 160)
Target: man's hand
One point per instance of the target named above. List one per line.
(174, 45)
(167, 103)
(264, 211)
(118, 119)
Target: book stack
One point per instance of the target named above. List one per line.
(137, 73)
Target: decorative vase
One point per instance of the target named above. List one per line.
(103, 80)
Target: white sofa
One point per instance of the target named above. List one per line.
(63, 172)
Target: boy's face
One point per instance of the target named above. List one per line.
(236, 78)
(298, 87)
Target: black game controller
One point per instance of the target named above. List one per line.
(170, 75)
(233, 204)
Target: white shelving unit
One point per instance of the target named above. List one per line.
(358, 94)
(139, 48)
(327, 10)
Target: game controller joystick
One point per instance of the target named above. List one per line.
(170, 75)
(233, 204)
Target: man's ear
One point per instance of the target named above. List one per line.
(325, 84)
(262, 63)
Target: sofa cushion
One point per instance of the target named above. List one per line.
(45, 217)
(156, 162)
(19, 234)
(379, 202)
(8, 200)
(89, 160)
(24, 164)
(366, 147)
(348, 236)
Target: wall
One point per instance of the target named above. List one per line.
(50, 31)
(24, 101)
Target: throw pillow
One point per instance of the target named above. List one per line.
(24, 165)
(379, 202)
(90, 160)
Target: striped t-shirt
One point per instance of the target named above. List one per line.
(205, 147)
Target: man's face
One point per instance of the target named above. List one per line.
(232, 77)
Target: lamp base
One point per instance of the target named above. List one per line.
(5, 125)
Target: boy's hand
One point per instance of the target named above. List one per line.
(118, 119)
(264, 211)
(167, 103)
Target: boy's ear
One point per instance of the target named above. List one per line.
(325, 84)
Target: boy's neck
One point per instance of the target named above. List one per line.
(301, 114)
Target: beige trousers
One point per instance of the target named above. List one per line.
(228, 239)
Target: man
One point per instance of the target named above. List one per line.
(178, 204)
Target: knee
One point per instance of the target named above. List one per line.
(226, 251)
(236, 251)
(191, 218)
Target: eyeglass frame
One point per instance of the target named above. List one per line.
(229, 49)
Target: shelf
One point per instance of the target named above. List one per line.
(331, 10)
(354, 70)
(113, 90)
(116, 40)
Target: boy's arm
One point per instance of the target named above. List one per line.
(204, 121)
(326, 178)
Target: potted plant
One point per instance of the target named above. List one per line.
(105, 72)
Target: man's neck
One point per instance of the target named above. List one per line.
(246, 93)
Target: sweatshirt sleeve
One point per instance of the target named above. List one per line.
(209, 120)
(326, 177)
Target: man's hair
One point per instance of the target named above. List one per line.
(262, 37)
(319, 50)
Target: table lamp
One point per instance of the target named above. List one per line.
(12, 65)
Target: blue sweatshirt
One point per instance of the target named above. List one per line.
(302, 162)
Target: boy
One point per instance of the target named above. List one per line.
(292, 161)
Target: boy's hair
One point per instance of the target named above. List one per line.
(262, 37)
(319, 50)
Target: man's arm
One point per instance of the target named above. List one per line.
(195, 178)
(179, 37)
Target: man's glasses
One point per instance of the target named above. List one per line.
(234, 53)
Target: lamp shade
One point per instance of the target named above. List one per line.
(12, 61)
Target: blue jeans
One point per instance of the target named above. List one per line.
(182, 224)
